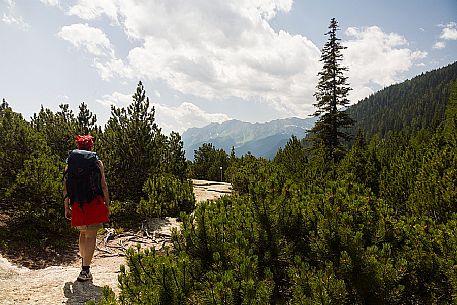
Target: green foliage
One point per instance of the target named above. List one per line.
(39, 182)
(434, 192)
(31, 168)
(173, 156)
(206, 268)
(19, 143)
(128, 147)
(360, 164)
(86, 121)
(243, 172)
(300, 241)
(450, 122)
(292, 158)
(37, 198)
(331, 96)
(124, 214)
(410, 106)
(376, 227)
(208, 162)
(167, 196)
(58, 129)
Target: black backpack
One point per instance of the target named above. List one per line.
(83, 179)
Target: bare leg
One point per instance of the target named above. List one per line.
(82, 241)
(88, 246)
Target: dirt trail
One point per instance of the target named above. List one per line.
(58, 285)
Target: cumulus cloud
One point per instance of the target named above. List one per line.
(221, 49)
(11, 17)
(439, 45)
(184, 116)
(109, 68)
(213, 49)
(115, 99)
(93, 9)
(376, 58)
(449, 31)
(92, 40)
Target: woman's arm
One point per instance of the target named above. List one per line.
(103, 182)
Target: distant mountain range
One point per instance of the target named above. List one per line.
(408, 106)
(261, 139)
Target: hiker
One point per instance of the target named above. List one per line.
(86, 198)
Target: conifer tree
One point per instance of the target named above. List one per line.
(208, 162)
(19, 143)
(57, 128)
(86, 120)
(292, 157)
(129, 147)
(176, 160)
(4, 105)
(331, 96)
(66, 114)
(450, 122)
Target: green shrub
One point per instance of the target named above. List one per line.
(167, 196)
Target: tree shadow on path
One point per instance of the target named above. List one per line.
(78, 293)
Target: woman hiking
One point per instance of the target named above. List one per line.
(86, 198)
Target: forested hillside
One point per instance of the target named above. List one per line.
(377, 225)
(409, 106)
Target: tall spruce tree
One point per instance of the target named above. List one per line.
(331, 96)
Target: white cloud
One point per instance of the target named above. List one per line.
(376, 58)
(221, 49)
(50, 2)
(213, 49)
(439, 45)
(156, 93)
(449, 31)
(93, 9)
(169, 118)
(109, 68)
(91, 39)
(12, 18)
(63, 98)
(184, 116)
(116, 99)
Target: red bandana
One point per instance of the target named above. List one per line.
(84, 142)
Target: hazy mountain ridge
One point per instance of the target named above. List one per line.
(261, 139)
(409, 106)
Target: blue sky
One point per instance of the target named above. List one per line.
(208, 61)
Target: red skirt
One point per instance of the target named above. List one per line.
(92, 212)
